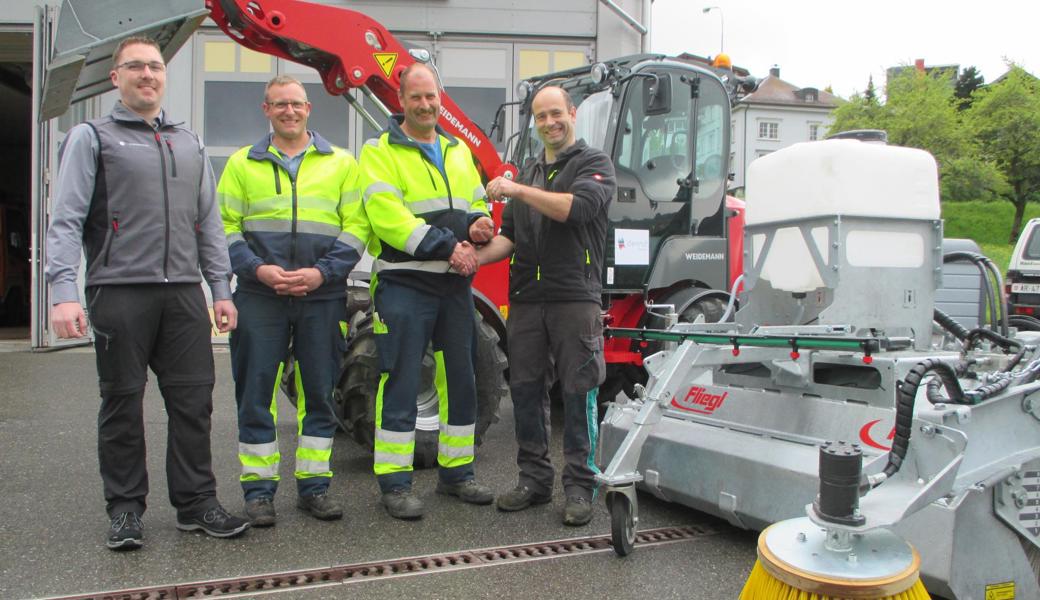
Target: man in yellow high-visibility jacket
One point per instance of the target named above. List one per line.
(295, 229)
(426, 206)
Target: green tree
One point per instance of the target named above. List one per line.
(970, 80)
(920, 112)
(871, 94)
(1005, 117)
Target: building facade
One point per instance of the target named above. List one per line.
(776, 115)
(482, 48)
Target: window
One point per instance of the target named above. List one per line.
(814, 132)
(769, 130)
(810, 97)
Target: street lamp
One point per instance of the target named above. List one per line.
(722, 25)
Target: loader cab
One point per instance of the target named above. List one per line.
(665, 125)
(1023, 275)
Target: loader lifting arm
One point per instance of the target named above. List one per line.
(349, 50)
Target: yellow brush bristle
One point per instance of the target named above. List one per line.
(763, 586)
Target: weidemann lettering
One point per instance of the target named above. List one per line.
(704, 256)
(463, 131)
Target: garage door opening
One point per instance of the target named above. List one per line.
(15, 181)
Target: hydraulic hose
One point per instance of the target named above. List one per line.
(950, 324)
(905, 395)
(1025, 322)
(1006, 343)
(996, 310)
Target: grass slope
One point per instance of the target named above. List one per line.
(988, 223)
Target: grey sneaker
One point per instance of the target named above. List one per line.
(468, 491)
(216, 522)
(126, 532)
(402, 504)
(577, 511)
(520, 498)
(320, 506)
(261, 511)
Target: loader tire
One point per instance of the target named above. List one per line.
(359, 384)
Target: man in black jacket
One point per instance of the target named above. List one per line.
(555, 228)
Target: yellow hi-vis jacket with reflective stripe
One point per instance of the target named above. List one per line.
(418, 214)
(314, 219)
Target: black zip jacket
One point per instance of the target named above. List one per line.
(561, 262)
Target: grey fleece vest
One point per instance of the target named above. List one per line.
(143, 222)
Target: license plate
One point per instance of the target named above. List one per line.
(1025, 288)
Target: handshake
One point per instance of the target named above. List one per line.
(464, 260)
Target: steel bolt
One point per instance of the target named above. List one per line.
(853, 558)
(801, 537)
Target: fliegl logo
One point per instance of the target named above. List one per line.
(700, 400)
(873, 434)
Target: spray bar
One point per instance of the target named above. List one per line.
(866, 345)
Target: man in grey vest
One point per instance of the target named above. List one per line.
(135, 192)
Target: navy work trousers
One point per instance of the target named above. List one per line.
(259, 350)
(410, 319)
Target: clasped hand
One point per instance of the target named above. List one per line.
(290, 283)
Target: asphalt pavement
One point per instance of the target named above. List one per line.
(52, 519)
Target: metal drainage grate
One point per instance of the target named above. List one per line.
(419, 565)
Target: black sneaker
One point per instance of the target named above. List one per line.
(320, 506)
(126, 532)
(468, 491)
(261, 511)
(216, 522)
(402, 504)
(520, 498)
(577, 511)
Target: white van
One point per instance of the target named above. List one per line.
(1023, 277)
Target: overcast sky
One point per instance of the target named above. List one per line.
(840, 43)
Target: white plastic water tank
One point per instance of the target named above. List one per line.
(843, 178)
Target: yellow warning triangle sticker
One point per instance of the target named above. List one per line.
(386, 61)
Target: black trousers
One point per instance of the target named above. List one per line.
(165, 327)
(565, 337)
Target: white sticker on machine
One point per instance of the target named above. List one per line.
(631, 247)
(610, 275)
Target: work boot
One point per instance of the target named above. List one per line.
(126, 532)
(261, 511)
(320, 506)
(401, 503)
(468, 491)
(216, 522)
(577, 511)
(520, 498)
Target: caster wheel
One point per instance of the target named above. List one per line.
(622, 525)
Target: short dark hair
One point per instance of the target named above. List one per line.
(411, 68)
(567, 100)
(130, 41)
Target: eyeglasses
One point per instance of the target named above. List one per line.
(137, 66)
(284, 104)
